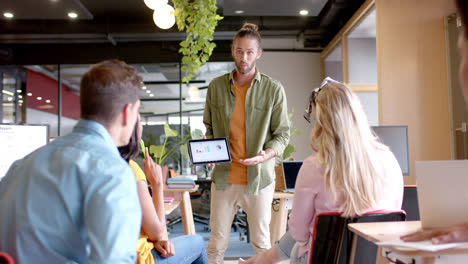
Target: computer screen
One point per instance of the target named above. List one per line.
(290, 172)
(18, 140)
(396, 138)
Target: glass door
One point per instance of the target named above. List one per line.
(458, 110)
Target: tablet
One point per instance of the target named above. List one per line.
(204, 151)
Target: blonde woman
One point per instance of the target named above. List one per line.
(351, 172)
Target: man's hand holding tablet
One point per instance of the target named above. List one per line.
(209, 151)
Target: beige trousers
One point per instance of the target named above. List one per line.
(224, 205)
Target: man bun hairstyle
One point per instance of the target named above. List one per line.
(106, 88)
(249, 30)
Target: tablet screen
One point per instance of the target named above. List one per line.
(203, 151)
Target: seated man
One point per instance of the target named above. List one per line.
(74, 200)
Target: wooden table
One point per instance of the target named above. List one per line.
(279, 215)
(385, 231)
(182, 198)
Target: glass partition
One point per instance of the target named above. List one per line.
(333, 64)
(8, 103)
(362, 51)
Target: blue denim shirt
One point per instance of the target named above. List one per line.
(71, 201)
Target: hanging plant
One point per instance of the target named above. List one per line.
(199, 19)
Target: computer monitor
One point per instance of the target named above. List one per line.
(396, 138)
(18, 140)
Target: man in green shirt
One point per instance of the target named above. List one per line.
(250, 109)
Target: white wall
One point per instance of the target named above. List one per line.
(299, 72)
(38, 117)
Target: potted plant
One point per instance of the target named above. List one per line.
(199, 19)
(288, 151)
(172, 147)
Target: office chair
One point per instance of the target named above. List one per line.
(241, 225)
(410, 203)
(5, 258)
(332, 241)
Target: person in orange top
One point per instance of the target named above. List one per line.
(152, 246)
(250, 108)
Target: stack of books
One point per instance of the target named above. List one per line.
(180, 183)
(168, 200)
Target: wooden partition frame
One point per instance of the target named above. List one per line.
(340, 37)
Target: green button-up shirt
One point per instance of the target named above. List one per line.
(266, 124)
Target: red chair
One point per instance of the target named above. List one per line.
(333, 242)
(5, 258)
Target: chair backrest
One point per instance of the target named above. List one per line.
(332, 240)
(5, 258)
(410, 203)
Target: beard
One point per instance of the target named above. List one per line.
(244, 70)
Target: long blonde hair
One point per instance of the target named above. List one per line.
(345, 147)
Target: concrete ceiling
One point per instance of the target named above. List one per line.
(42, 33)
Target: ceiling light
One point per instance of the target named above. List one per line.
(8, 15)
(20, 101)
(239, 12)
(304, 12)
(194, 94)
(152, 4)
(151, 95)
(18, 91)
(29, 94)
(148, 91)
(20, 96)
(47, 101)
(8, 92)
(72, 15)
(39, 98)
(10, 98)
(144, 87)
(164, 16)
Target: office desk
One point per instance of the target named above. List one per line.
(385, 231)
(279, 215)
(182, 198)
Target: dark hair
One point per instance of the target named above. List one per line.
(131, 150)
(250, 31)
(106, 88)
(462, 6)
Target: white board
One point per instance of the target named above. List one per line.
(17, 141)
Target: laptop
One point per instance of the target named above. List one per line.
(442, 192)
(290, 171)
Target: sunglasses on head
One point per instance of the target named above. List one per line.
(313, 97)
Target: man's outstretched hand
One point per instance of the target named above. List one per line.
(261, 157)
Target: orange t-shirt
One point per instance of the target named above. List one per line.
(237, 139)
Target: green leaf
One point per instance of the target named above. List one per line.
(197, 134)
(296, 132)
(290, 149)
(184, 150)
(169, 132)
(156, 150)
(142, 145)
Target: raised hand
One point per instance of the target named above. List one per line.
(153, 171)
